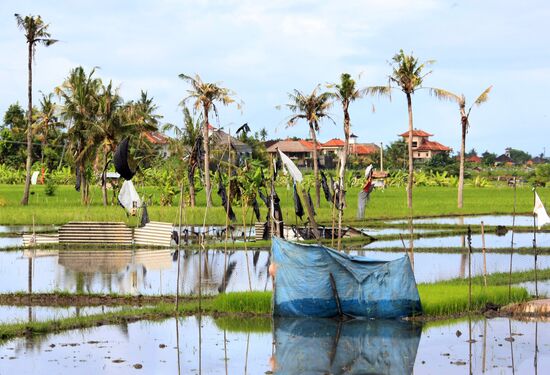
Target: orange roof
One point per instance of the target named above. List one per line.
(308, 144)
(334, 142)
(156, 138)
(289, 145)
(360, 149)
(432, 146)
(416, 133)
(474, 159)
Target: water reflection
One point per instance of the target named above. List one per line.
(493, 220)
(319, 346)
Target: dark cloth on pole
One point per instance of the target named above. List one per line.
(310, 202)
(225, 201)
(256, 208)
(77, 183)
(144, 216)
(298, 208)
(326, 189)
(121, 160)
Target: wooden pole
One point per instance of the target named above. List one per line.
(512, 244)
(381, 157)
(469, 269)
(484, 257)
(535, 245)
(226, 214)
(178, 249)
(243, 210)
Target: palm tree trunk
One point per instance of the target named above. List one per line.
(343, 171)
(25, 200)
(315, 167)
(461, 170)
(411, 165)
(104, 180)
(191, 178)
(207, 186)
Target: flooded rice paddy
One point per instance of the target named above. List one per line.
(195, 345)
(23, 314)
(154, 272)
(493, 220)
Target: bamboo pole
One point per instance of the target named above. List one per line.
(484, 256)
(535, 245)
(226, 213)
(243, 210)
(469, 269)
(178, 249)
(512, 244)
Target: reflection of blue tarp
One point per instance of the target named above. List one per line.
(326, 346)
(366, 287)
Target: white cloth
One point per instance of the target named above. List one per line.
(540, 211)
(292, 168)
(34, 178)
(368, 171)
(129, 198)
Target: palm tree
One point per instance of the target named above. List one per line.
(312, 108)
(408, 76)
(80, 94)
(205, 95)
(465, 123)
(108, 129)
(46, 120)
(345, 92)
(36, 32)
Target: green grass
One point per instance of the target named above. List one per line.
(390, 203)
(447, 299)
(242, 302)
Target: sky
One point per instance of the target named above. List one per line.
(262, 50)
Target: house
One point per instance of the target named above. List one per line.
(300, 151)
(423, 148)
(160, 141)
(335, 145)
(473, 159)
(220, 141)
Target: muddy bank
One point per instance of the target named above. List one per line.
(65, 300)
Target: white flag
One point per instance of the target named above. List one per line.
(368, 171)
(292, 168)
(129, 198)
(540, 211)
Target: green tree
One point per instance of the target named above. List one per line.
(519, 156)
(47, 125)
(395, 155)
(205, 96)
(408, 76)
(36, 32)
(80, 95)
(465, 124)
(312, 108)
(12, 137)
(488, 158)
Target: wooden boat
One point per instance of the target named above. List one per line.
(317, 281)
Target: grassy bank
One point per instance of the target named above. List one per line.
(390, 203)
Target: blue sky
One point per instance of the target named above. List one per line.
(264, 49)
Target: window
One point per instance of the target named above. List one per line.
(415, 144)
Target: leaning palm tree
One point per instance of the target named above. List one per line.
(465, 124)
(407, 76)
(312, 108)
(205, 95)
(345, 92)
(36, 32)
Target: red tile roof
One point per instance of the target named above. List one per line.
(156, 138)
(359, 149)
(474, 159)
(432, 146)
(416, 133)
(289, 145)
(334, 142)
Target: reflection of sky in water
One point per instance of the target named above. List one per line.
(429, 267)
(492, 241)
(148, 272)
(153, 345)
(506, 220)
(16, 314)
(10, 242)
(153, 272)
(26, 228)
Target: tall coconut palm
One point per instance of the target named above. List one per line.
(36, 32)
(465, 124)
(205, 96)
(80, 93)
(312, 108)
(345, 92)
(407, 75)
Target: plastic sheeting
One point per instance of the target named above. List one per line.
(365, 287)
(326, 346)
(129, 198)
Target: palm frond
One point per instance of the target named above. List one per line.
(484, 96)
(442, 94)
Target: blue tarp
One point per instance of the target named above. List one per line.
(366, 287)
(360, 346)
